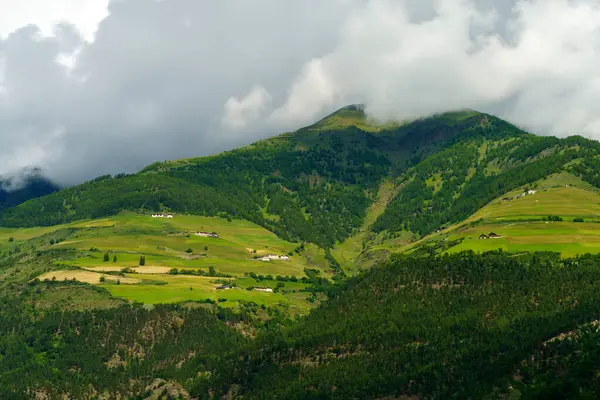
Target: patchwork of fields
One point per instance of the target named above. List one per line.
(178, 264)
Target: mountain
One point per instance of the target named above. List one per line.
(313, 185)
(436, 258)
(28, 184)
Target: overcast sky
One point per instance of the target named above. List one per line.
(89, 87)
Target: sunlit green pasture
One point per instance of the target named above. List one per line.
(520, 223)
(181, 288)
(568, 238)
(172, 243)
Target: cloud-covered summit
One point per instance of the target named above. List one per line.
(180, 78)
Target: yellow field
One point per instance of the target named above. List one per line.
(138, 270)
(86, 276)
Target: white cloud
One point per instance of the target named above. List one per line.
(241, 113)
(544, 79)
(84, 14)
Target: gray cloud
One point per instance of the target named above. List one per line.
(181, 78)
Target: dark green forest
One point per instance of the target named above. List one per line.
(461, 326)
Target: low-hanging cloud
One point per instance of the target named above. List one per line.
(182, 78)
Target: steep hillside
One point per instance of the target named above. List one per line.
(348, 184)
(460, 327)
(558, 213)
(182, 260)
(313, 185)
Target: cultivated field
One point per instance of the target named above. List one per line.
(169, 244)
(523, 223)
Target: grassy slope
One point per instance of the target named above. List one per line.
(348, 252)
(164, 243)
(519, 221)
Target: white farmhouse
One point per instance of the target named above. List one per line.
(531, 192)
(274, 257)
(207, 234)
(162, 216)
(266, 290)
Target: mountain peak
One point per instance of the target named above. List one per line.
(353, 115)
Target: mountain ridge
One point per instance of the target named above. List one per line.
(316, 184)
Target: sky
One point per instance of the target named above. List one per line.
(92, 87)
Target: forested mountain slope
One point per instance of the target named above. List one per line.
(317, 184)
(425, 325)
(312, 185)
(462, 326)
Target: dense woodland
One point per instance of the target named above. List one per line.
(462, 326)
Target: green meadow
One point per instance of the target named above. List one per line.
(522, 223)
(168, 244)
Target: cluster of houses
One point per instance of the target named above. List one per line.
(162, 216)
(492, 235)
(529, 192)
(272, 257)
(207, 234)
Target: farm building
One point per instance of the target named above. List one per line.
(493, 236)
(207, 234)
(531, 192)
(261, 289)
(483, 236)
(162, 216)
(271, 257)
(223, 287)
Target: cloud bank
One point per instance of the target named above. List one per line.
(182, 78)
